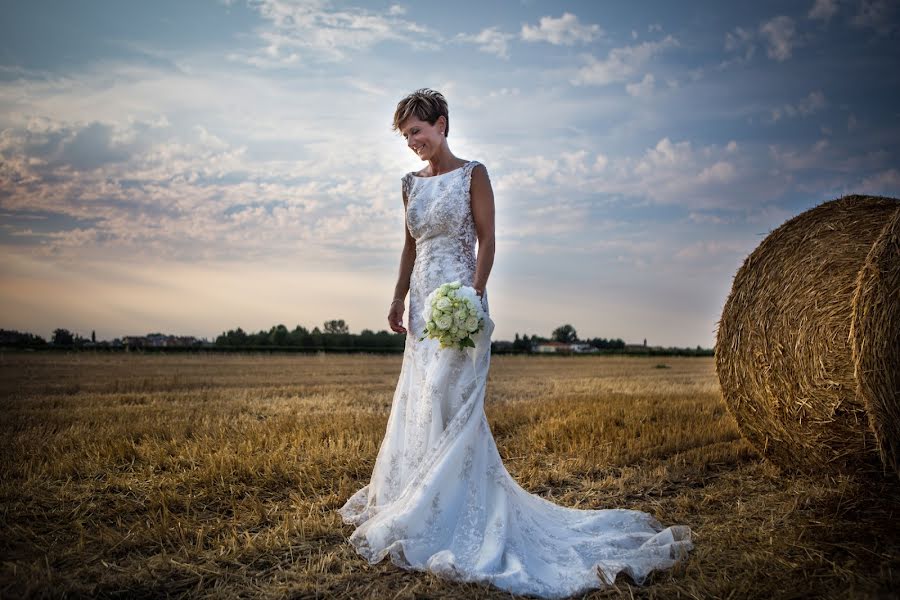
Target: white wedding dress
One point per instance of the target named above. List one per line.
(440, 498)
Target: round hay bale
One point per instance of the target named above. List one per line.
(806, 348)
(875, 333)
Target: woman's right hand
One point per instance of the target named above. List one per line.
(395, 317)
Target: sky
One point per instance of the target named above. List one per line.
(193, 167)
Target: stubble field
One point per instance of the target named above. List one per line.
(142, 476)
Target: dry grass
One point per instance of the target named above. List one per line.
(218, 476)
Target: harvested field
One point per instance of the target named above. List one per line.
(143, 476)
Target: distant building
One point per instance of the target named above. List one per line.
(550, 347)
(159, 340)
(564, 347)
(582, 348)
(135, 341)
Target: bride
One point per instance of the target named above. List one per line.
(440, 498)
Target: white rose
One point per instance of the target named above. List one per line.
(455, 284)
(443, 303)
(444, 322)
(471, 324)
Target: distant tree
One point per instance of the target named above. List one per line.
(607, 344)
(233, 337)
(565, 333)
(298, 337)
(11, 337)
(62, 337)
(336, 326)
(278, 336)
(521, 343)
(93, 336)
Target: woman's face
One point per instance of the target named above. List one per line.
(422, 137)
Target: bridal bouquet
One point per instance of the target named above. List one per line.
(453, 314)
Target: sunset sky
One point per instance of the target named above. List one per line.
(192, 167)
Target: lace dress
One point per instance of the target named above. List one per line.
(440, 498)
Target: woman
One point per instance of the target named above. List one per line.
(440, 498)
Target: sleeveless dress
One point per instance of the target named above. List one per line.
(440, 498)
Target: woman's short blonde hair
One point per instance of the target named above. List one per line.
(424, 104)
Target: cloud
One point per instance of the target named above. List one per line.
(665, 154)
(823, 10)
(565, 31)
(183, 193)
(710, 249)
(670, 172)
(882, 183)
(822, 156)
(740, 40)
(720, 172)
(620, 63)
(706, 218)
(694, 177)
(296, 31)
(878, 15)
(489, 40)
(813, 103)
(643, 87)
(780, 36)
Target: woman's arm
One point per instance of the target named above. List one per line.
(482, 199)
(407, 259)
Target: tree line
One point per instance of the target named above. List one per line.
(334, 335)
(568, 335)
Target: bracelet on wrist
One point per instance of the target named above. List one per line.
(397, 300)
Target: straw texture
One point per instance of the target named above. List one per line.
(804, 356)
(875, 334)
